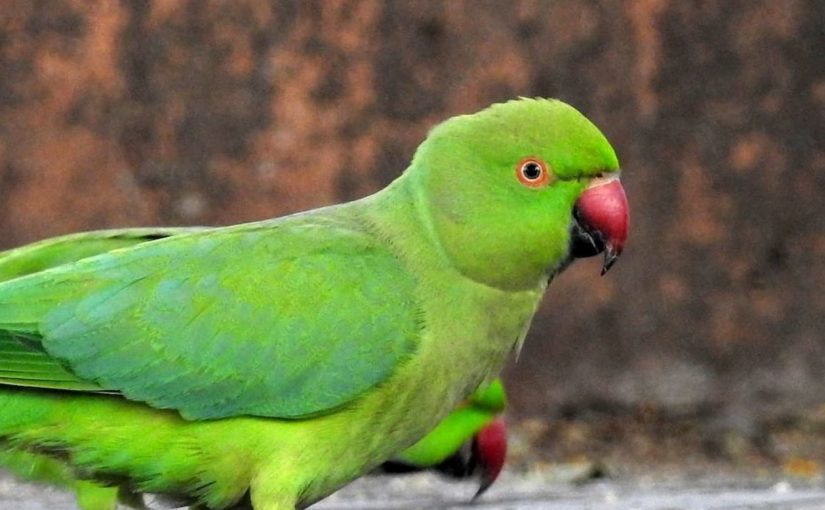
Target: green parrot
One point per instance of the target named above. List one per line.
(270, 363)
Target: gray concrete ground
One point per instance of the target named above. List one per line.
(538, 492)
(519, 492)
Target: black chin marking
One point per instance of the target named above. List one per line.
(583, 241)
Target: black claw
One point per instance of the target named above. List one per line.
(485, 484)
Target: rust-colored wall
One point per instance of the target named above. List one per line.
(190, 112)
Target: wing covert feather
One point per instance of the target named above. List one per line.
(286, 321)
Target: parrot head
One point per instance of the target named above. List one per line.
(516, 191)
(470, 443)
(489, 450)
(484, 455)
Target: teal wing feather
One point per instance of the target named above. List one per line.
(278, 319)
(24, 362)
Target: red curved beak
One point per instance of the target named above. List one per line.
(490, 451)
(602, 217)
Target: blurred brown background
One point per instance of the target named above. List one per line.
(189, 112)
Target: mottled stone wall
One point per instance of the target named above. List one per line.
(191, 112)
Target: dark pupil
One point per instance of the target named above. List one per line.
(532, 171)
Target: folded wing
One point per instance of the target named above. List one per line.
(272, 319)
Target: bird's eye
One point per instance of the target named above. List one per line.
(532, 172)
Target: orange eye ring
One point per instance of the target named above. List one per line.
(533, 172)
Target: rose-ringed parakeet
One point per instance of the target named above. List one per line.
(273, 362)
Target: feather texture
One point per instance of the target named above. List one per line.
(208, 337)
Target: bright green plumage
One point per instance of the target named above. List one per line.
(458, 427)
(108, 317)
(444, 440)
(44, 469)
(289, 356)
